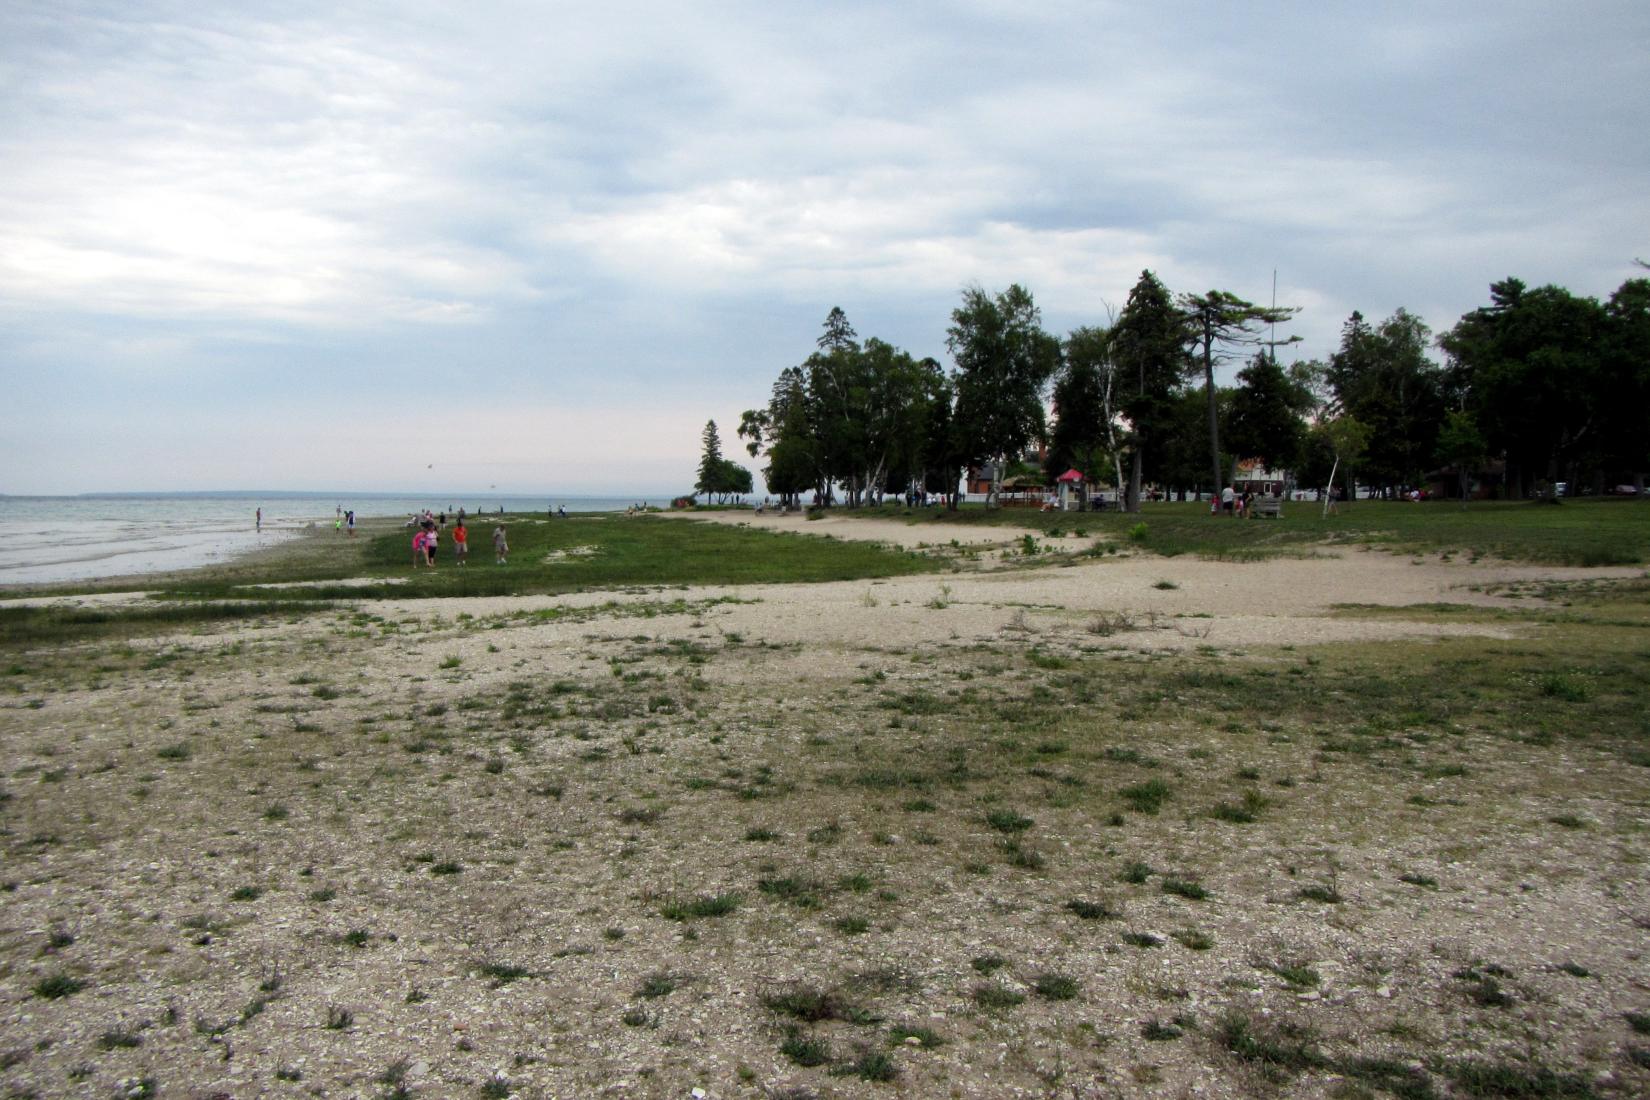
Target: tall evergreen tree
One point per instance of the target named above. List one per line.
(839, 335)
(710, 461)
(1148, 345)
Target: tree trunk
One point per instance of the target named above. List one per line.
(1111, 435)
(1209, 389)
(1134, 482)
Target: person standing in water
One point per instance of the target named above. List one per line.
(259, 521)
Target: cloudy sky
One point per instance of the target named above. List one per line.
(441, 247)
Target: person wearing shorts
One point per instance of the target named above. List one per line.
(461, 542)
(431, 542)
(500, 546)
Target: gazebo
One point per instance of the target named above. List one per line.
(1066, 482)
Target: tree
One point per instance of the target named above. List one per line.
(1148, 346)
(710, 460)
(719, 478)
(1530, 367)
(839, 335)
(1004, 361)
(1345, 439)
(782, 430)
(1085, 430)
(1626, 448)
(732, 479)
(852, 415)
(1461, 445)
(1266, 414)
(1382, 376)
(1220, 322)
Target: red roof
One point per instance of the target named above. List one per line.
(1070, 475)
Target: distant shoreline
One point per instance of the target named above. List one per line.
(294, 494)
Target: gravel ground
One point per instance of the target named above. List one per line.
(431, 849)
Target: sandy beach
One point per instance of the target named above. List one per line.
(611, 844)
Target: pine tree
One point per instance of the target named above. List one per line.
(710, 462)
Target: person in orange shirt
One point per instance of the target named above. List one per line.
(461, 542)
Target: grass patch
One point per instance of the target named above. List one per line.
(1057, 987)
(1092, 910)
(1147, 797)
(702, 905)
(1185, 888)
(1008, 821)
(993, 996)
(805, 1050)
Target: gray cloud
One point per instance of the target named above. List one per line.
(656, 202)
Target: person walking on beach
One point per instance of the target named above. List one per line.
(349, 522)
(418, 547)
(500, 546)
(260, 520)
(461, 542)
(432, 541)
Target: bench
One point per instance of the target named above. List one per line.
(1270, 507)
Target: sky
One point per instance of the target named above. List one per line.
(534, 247)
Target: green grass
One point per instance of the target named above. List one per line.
(57, 986)
(598, 551)
(703, 905)
(805, 1050)
(1057, 987)
(48, 625)
(1147, 797)
(997, 996)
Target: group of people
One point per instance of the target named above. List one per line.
(1235, 503)
(427, 540)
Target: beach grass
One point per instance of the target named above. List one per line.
(580, 553)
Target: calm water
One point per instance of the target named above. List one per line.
(51, 539)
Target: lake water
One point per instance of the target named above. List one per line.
(52, 539)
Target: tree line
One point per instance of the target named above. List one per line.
(1541, 385)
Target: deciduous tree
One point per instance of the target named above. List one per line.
(1004, 362)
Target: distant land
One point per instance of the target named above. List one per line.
(351, 494)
